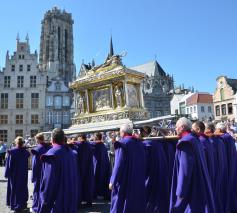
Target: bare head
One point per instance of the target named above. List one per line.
(198, 127)
(221, 127)
(209, 127)
(98, 136)
(58, 136)
(81, 137)
(182, 125)
(126, 129)
(39, 138)
(19, 141)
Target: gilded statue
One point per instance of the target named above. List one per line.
(81, 105)
(118, 96)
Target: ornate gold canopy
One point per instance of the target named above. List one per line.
(109, 92)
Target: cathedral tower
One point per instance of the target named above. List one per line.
(56, 45)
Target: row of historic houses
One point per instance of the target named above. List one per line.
(219, 106)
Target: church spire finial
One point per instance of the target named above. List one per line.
(27, 38)
(18, 37)
(111, 48)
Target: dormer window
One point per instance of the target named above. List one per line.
(57, 86)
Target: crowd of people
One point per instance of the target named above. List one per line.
(196, 171)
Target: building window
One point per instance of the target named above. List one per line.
(7, 81)
(223, 109)
(20, 67)
(217, 110)
(3, 119)
(4, 100)
(28, 67)
(19, 119)
(65, 117)
(230, 108)
(18, 132)
(33, 81)
(202, 109)
(3, 135)
(57, 117)
(23, 56)
(191, 110)
(19, 100)
(33, 132)
(49, 100)
(34, 100)
(187, 110)
(20, 81)
(66, 101)
(194, 109)
(49, 118)
(58, 102)
(34, 119)
(209, 109)
(13, 67)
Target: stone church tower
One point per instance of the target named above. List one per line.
(56, 45)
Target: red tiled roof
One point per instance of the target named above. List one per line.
(199, 98)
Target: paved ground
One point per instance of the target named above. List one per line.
(98, 205)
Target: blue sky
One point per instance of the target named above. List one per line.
(195, 40)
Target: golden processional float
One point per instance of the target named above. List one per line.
(106, 97)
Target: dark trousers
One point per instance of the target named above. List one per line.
(2, 159)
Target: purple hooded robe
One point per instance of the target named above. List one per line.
(16, 171)
(37, 171)
(191, 189)
(128, 177)
(59, 184)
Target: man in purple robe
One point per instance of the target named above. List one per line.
(59, 186)
(41, 149)
(17, 174)
(128, 177)
(157, 181)
(220, 171)
(101, 168)
(199, 128)
(86, 170)
(231, 154)
(191, 189)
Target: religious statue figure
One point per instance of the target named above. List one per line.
(118, 96)
(81, 105)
